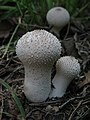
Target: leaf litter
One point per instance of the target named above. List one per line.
(74, 105)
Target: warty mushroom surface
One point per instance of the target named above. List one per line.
(67, 68)
(38, 50)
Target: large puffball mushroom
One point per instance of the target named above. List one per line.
(38, 50)
(67, 68)
(57, 17)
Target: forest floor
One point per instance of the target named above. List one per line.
(74, 105)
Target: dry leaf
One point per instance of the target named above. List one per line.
(86, 81)
(70, 48)
(55, 108)
(49, 108)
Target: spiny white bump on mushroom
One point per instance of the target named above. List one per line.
(38, 50)
(57, 17)
(67, 68)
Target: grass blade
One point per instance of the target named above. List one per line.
(10, 41)
(71, 5)
(81, 10)
(49, 4)
(16, 99)
(7, 114)
(7, 8)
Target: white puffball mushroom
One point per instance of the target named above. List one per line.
(57, 17)
(67, 68)
(38, 50)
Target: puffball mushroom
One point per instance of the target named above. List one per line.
(38, 50)
(57, 17)
(67, 68)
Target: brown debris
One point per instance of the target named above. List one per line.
(85, 81)
(72, 106)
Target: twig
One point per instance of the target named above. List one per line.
(38, 27)
(87, 101)
(36, 109)
(57, 102)
(60, 107)
(44, 103)
(70, 118)
(67, 31)
(16, 80)
(84, 114)
(12, 73)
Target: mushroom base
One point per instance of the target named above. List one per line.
(37, 84)
(60, 83)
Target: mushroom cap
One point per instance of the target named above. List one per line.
(68, 67)
(58, 17)
(38, 46)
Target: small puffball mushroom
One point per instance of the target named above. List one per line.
(57, 17)
(67, 68)
(38, 50)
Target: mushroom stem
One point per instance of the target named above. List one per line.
(36, 87)
(60, 85)
(56, 31)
